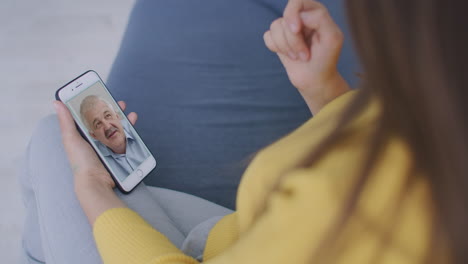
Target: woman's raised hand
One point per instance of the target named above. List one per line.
(308, 43)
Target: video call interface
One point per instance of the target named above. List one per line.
(110, 132)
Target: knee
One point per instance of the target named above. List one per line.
(46, 140)
(46, 157)
(47, 127)
(45, 135)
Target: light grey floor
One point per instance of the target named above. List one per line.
(44, 44)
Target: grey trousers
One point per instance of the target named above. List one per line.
(56, 229)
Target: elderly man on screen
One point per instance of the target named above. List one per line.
(113, 136)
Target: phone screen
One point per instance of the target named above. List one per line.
(109, 131)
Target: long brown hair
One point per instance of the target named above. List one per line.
(414, 55)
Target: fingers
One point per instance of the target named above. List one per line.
(122, 105)
(320, 21)
(316, 26)
(67, 124)
(296, 43)
(132, 117)
(280, 39)
(269, 42)
(287, 35)
(292, 13)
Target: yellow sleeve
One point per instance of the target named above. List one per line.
(122, 236)
(291, 227)
(297, 219)
(221, 236)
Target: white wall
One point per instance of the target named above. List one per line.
(44, 44)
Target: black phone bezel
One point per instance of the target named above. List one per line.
(117, 183)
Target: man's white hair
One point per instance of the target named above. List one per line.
(88, 103)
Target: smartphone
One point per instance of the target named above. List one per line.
(103, 124)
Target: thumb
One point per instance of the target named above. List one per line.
(67, 124)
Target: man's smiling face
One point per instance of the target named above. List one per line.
(105, 126)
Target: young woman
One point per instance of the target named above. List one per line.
(378, 175)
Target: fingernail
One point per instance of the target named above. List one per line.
(292, 55)
(303, 56)
(294, 27)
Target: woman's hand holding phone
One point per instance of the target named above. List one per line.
(308, 43)
(93, 183)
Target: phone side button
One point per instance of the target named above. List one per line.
(140, 173)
